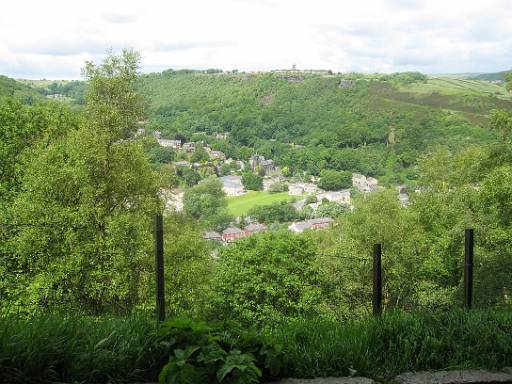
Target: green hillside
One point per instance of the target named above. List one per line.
(375, 124)
(11, 87)
(491, 76)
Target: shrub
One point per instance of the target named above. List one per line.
(269, 277)
(278, 186)
(217, 353)
(252, 182)
(278, 212)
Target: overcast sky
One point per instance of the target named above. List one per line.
(52, 39)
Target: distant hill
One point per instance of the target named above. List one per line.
(375, 124)
(11, 87)
(490, 76)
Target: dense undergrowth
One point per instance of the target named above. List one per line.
(51, 348)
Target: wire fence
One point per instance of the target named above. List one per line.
(375, 291)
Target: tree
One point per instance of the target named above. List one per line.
(267, 278)
(252, 182)
(332, 180)
(206, 202)
(200, 155)
(278, 212)
(22, 127)
(188, 266)
(162, 155)
(89, 198)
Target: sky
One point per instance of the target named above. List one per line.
(52, 39)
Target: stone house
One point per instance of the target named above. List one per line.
(258, 162)
(255, 228)
(301, 226)
(297, 189)
(364, 184)
(339, 197)
(232, 233)
(216, 155)
(321, 222)
(189, 146)
(175, 144)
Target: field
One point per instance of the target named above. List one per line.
(446, 86)
(241, 205)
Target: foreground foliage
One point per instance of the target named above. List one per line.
(54, 348)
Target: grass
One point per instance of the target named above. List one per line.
(453, 87)
(51, 348)
(382, 348)
(241, 205)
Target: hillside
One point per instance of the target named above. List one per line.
(374, 124)
(491, 76)
(11, 87)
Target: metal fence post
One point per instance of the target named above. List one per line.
(377, 279)
(468, 268)
(159, 261)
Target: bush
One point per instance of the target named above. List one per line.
(278, 212)
(332, 180)
(218, 353)
(267, 278)
(252, 182)
(278, 187)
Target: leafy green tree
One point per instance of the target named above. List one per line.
(189, 175)
(200, 155)
(333, 210)
(278, 212)
(206, 202)
(225, 169)
(188, 267)
(22, 127)
(379, 218)
(88, 199)
(332, 180)
(162, 155)
(252, 182)
(268, 278)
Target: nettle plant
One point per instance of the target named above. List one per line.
(218, 353)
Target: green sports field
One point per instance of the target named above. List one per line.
(240, 205)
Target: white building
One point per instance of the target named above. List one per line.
(339, 197)
(297, 189)
(232, 185)
(176, 144)
(364, 184)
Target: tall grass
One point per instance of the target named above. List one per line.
(384, 347)
(54, 348)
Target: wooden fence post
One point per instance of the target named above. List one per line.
(159, 261)
(377, 279)
(468, 268)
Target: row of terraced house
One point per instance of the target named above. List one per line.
(232, 233)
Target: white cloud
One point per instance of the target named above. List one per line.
(52, 39)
